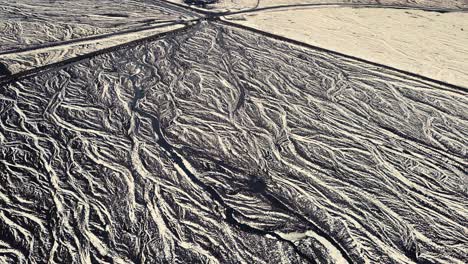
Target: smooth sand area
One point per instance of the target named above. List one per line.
(431, 44)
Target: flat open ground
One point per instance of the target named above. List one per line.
(427, 43)
(237, 5)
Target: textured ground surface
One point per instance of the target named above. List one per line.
(223, 146)
(224, 5)
(22, 61)
(427, 43)
(28, 23)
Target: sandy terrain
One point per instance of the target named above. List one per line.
(28, 23)
(220, 145)
(30, 59)
(217, 142)
(235, 5)
(427, 43)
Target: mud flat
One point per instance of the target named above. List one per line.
(219, 145)
(427, 43)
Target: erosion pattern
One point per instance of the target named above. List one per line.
(22, 61)
(216, 145)
(220, 5)
(29, 23)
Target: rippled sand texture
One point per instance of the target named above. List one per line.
(28, 23)
(427, 43)
(224, 5)
(218, 145)
(31, 59)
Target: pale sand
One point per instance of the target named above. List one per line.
(27, 60)
(236, 5)
(427, 43)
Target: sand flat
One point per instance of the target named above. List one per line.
(236, 5)
(427, 43)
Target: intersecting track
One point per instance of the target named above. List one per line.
(218, 143)
(216, 15)
(210, 17)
